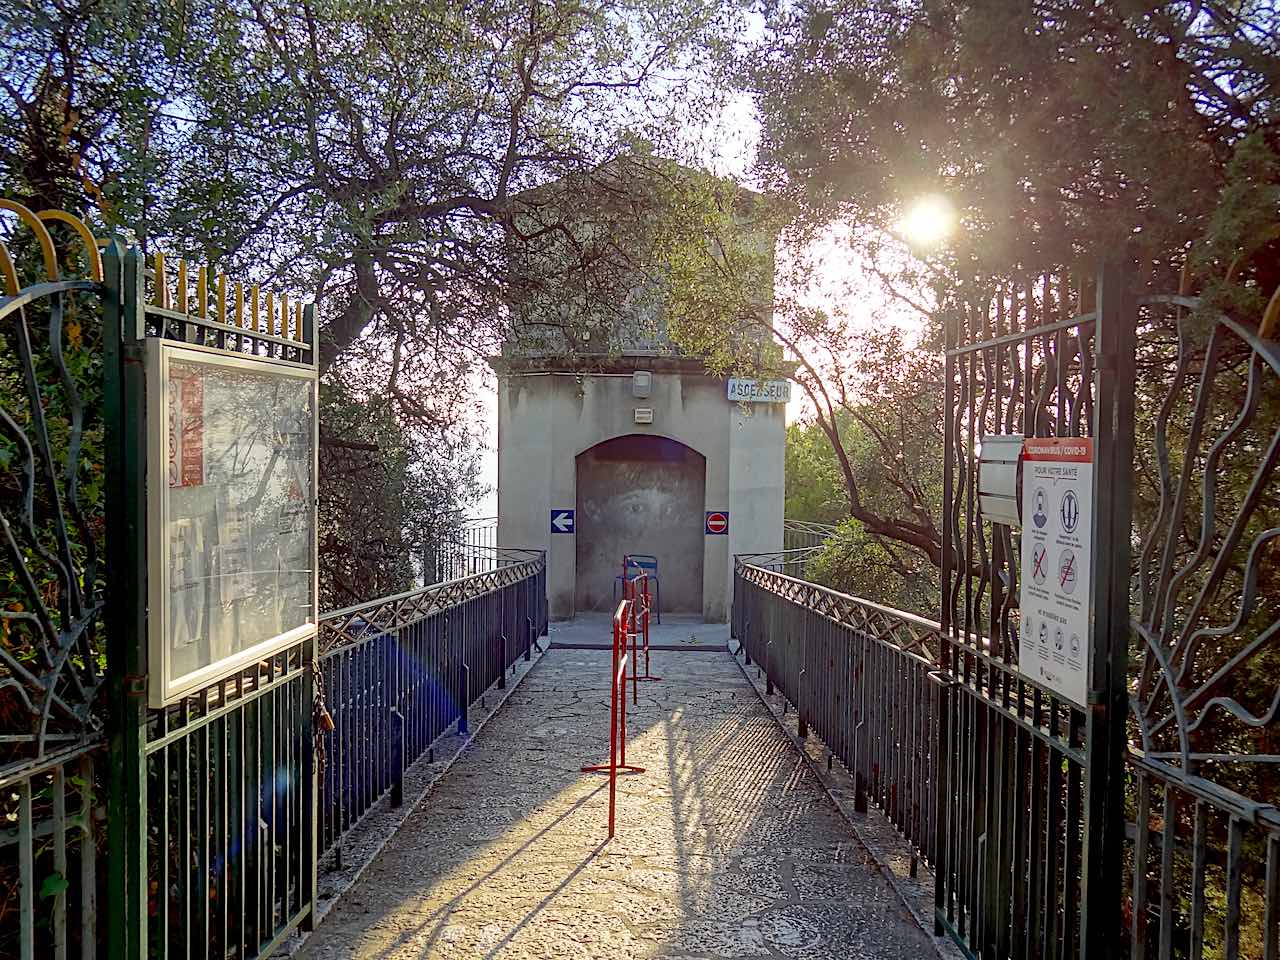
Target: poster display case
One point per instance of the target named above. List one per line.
(231, 488)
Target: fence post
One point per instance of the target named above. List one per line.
(941, 802)
(310, 839)
(124, 274)
(1102, 888)
(858, 713)
(464, 697)
(397, 757)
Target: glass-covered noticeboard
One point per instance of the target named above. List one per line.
(231, 490)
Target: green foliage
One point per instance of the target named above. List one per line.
(53, 885)
(1060, 131)
(387, 494)
(383, 157)
(856, 563)
(872, 461)
(814, 484)
(1239, 260)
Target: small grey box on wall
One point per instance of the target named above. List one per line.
(644, 414)
(641, 384)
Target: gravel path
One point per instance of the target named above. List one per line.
(727, 846)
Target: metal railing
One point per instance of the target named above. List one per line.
(397, 673)
(859, 677)
(1006, 832)
(228, 849)
(467, 547)
(802, 542)
(806, 534)
(49, 858)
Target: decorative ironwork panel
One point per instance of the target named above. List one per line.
(897, 628)
(1020, 364)
(1205, 650)
(1207, 692)
(52, 658)
(354, 624)
(405, 669)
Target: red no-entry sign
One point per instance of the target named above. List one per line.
(717, 522)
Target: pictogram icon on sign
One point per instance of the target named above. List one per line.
(1067, 571)
(562, 521)
(1069, 511)
(1039, 565)
(1038, 515)
(717, 522)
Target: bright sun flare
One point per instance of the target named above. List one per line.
(928, 222)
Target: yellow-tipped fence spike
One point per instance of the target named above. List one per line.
(253, 305)
(181, 306)
(8, 273)
(222, 298)
(297, 321)
(284, 315)
(239, 304)
(162, 283)
(202, 292)
(271, 311)
(93, 260)
(37, 226)
(1269, 329)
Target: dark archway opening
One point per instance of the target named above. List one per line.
(640, 494)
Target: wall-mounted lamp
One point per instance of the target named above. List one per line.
(641, 384)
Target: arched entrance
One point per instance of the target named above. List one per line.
(640, 494)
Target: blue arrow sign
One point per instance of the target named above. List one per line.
(562, 521)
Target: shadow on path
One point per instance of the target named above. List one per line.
(726, 846)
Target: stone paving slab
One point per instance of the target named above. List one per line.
(727, 845)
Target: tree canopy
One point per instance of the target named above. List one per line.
(383, 158)
(1058, 129)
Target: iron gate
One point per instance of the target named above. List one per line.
(1146, 824)
(1030, 786)
(207, 808)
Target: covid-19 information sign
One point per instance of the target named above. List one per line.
(231, 489)
(1057, 503)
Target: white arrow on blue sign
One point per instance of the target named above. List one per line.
(562, 521)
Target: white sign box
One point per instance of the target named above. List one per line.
(759, 391)
(231, 492)
(1054, 638)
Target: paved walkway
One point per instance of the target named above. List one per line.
(675, 632)
(727, 847)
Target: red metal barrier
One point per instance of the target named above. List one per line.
(623, 620)
(637, 589)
